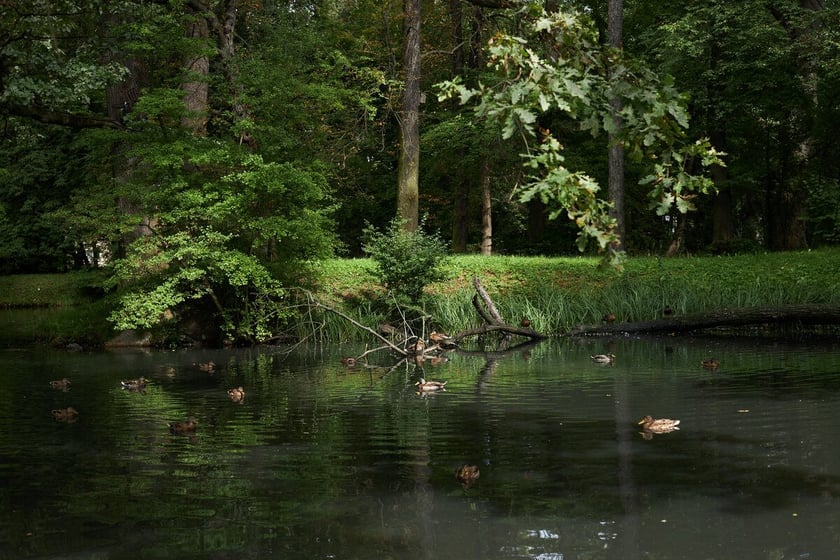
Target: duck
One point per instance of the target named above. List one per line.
(418, 346)
(430, 386)
(348, 361)
(63, 384)
(387, 329)
(68, 414)
(608, 318)
(667, 310)
(711, 363)
(442, 340)
(236, 394)
(525, 323)
(186, 427)
(658, 425)
(208, 367)
(138, 384)
(603, 358)
(467, 475)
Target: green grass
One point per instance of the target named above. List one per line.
(556, 294)
(559, 293)
(49, 290)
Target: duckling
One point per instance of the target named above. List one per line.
(442, 340)
(608, 318)
(187, 427)
(348, 361)
(711, 363)
(138, 384)
(236, 394)
(659, 425)
(62, 384)
(525, 323)
(68, 414)
(603, 358)
(467, 475)
(430, 386)
(667, 311)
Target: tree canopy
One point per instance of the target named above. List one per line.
(204, 151)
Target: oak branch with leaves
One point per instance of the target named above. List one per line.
(560, 66)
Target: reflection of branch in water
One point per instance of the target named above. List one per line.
(486, 374)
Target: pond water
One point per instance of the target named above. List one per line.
(324, 461)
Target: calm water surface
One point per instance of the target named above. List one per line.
(325, 461)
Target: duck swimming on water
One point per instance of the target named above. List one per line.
(658, 425)
(603, 358)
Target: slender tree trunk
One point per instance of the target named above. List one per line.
(408, 174)
(486, 210)
(456, 14)
(460, 217)
(536, 221)
(460, 180)
(615, 25)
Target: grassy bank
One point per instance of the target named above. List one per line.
(554, 293)
(53, 309)
(559, 293)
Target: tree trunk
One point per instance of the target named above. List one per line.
(197, 71)
(460, 218)
(456, 14)
(615, 25)
(797, 314)
(486, 210)
(408, 175)
(226, 31)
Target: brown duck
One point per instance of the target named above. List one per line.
(236, 394)
(442, 340)
(467, 475)
(62, 384)
(68, 414)
(658, 425)
(187, 427)
(138, 384)
(711, 363)
(603, 358)
(430, 386)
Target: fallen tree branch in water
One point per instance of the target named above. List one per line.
(806, 314)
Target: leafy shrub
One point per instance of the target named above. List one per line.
(406, 261)
(224, 229)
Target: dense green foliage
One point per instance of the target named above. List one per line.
(207, 154)
(406, 261)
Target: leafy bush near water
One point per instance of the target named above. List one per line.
(407, 261)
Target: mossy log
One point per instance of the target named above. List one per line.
(804, 314)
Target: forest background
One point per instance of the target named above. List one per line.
(204, 152)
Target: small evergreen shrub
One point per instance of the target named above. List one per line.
(406, 261)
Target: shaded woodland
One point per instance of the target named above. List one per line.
(204, 149)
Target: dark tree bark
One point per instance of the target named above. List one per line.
(456, 14)
(197, 69)
(615, 30)
(408, 175)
